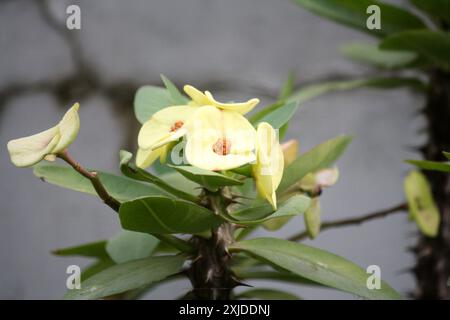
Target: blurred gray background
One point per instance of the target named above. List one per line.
(237, 49)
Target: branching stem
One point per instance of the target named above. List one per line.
(353, 221)
(94, 179)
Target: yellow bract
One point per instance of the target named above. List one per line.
(30, 150)
(165, 126)
(290, 151)
(269, 166)
(219, 139)
(205, 99)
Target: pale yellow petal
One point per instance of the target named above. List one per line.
(50, 157)
(68, 129)
(208, 126)
(145, 158)
(160, 128)
(327, 177)
(198, 97)
(30, 150)
(269, 166)
(241, 107)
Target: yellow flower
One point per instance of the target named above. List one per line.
(165, 126)
(207, 99)
(145, 158)
(27, 151)
(269, 166)
(219, 139)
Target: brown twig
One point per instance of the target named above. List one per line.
(353, 221)
(93, 177)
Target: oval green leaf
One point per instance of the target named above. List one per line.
(295, 205)
(422, 208)
(161, 215)
(320, 157)
(129, 245)
(130, 170)
(150, 99)
(354, 14)
(121, 188)
(432, 45)
(373, 55)
(314, 264)
(280, 116)
(431, 165)
(95, 249)
(209, 179)
(127, 276)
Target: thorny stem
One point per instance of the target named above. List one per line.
(210, 272)
(353, 221)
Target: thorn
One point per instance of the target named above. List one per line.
(197, 258)
(242, 197)
(237, 283)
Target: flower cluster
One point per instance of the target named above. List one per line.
(218, 137)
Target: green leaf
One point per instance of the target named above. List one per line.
(295, 205)
(314, 264)
(432, 45)
(95, 249)
(176, 179)
(372, 55)
(446, 154)
(439, 9)
(121, 188)
(130, 170)
(280, 275)
(280, 116)
(128, 246)
(320, 157)
(312, 218)
(312, 91)
(176, 96)
(150, 99)
(431, 165)
(127, 276)
(266, 294)
(277, 223)
(96, 267)
(422, 208)
(354, 14)
(160, 215)
(209, 179)
(288, 87)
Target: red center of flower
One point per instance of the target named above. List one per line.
(177, 125)
(222, 147)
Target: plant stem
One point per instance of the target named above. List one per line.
(353, 221)
(114, 204)
(210, 272)
(95, 181)
(432, 269)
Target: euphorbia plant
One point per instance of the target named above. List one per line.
(220, 176)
